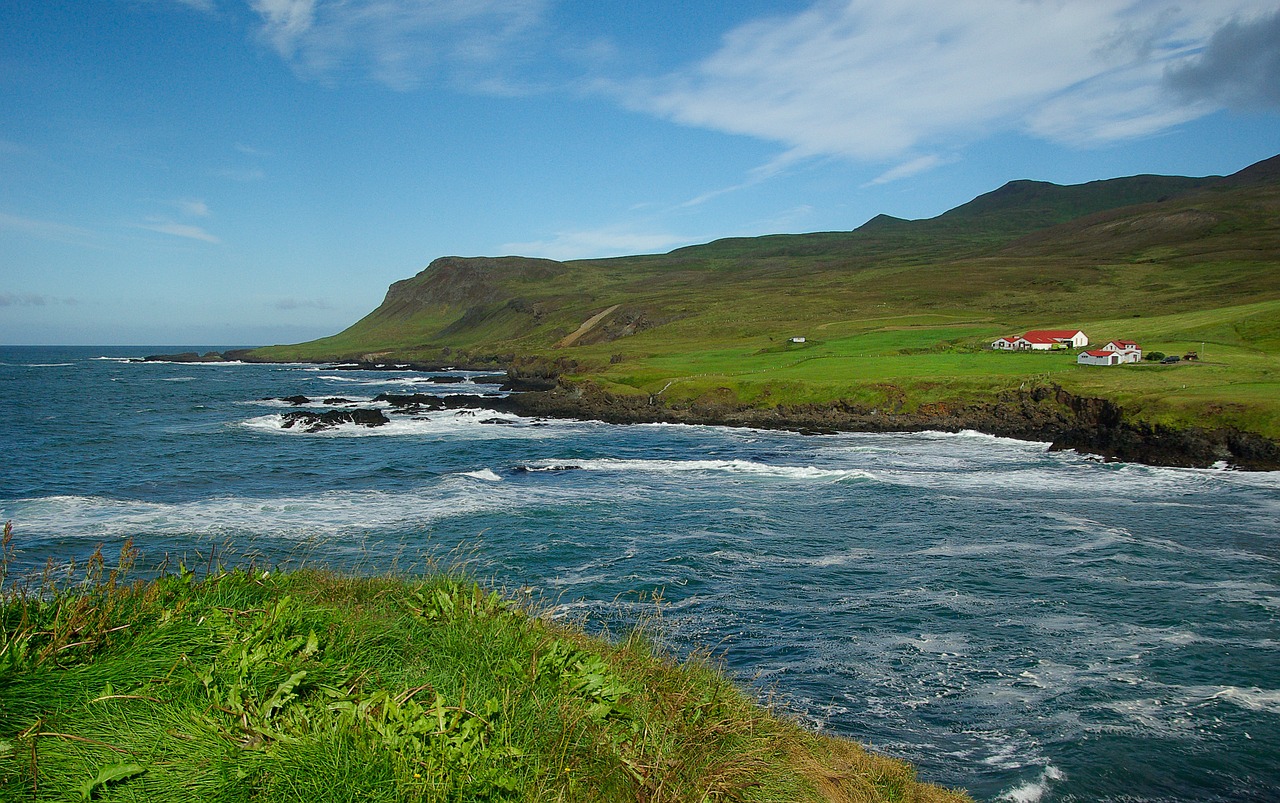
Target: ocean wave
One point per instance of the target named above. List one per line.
(1253, 698)
(1034, 791)
(486, 474)
(48, 365)
(465, 423)
(739, 467)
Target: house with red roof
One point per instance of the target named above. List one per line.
(1043, 340)
(1115, 352)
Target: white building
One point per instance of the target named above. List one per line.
(1116, 352)
(1043, 340)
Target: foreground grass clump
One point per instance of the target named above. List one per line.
(250, 685)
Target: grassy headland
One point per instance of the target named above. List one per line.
(896, 314)
(310, 686)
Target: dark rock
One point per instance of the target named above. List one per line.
(319, 422)
(295, 400)
(447, 380)
(338, 400)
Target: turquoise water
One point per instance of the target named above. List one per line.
(1025, 624)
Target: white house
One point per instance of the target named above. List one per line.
(1043, 340)
(1128, 350)
(1116, 352)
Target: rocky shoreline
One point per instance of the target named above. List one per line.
(1048, 414)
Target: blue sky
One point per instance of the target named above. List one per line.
(258, 171)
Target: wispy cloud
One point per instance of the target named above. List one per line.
(877, 80)
(193, 207)
(597, 243)
(907, 169)
(179, 230)
(249, 150)
(46, 229)
(399, 43)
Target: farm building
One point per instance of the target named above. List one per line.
(1114, 353)
(1043, 340)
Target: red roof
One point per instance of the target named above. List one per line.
(1052, 334)
(1124, 343)
(1099, 353)
(1041, 337)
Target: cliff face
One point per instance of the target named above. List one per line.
(463, 282)
(1049, 414)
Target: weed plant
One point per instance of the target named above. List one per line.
(252, 685)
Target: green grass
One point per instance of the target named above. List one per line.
(311, 686)
(895, 310)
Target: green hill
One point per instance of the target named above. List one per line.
(894, 309)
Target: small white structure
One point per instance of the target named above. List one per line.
(1116, 352)
(1098, 357)
(797, 340)
(1043, 340)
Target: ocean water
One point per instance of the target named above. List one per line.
(1031, 626)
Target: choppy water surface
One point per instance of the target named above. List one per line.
(1027, 625)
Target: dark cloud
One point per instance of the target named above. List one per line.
(1240, 67)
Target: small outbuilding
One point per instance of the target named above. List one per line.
(1115, 352)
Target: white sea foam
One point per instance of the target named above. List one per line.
(441, 424)
(483, 474)
(325, 515)
(739, 467)
(1034, 791)
(49, 365)
(1253, 698)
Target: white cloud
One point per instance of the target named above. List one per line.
(179, 230)
(397, 42)
(876, 80)
(46, 229)
(597, 243)
(913, 167)
(193, 207)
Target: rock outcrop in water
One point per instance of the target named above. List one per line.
(319, 422)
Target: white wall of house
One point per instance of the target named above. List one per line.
(1092, 358)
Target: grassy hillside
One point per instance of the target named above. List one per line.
(256, 686)
(895, 309)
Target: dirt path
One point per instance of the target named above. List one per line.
(587, 326)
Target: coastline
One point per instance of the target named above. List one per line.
(1045, 413)
(1048, 414)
